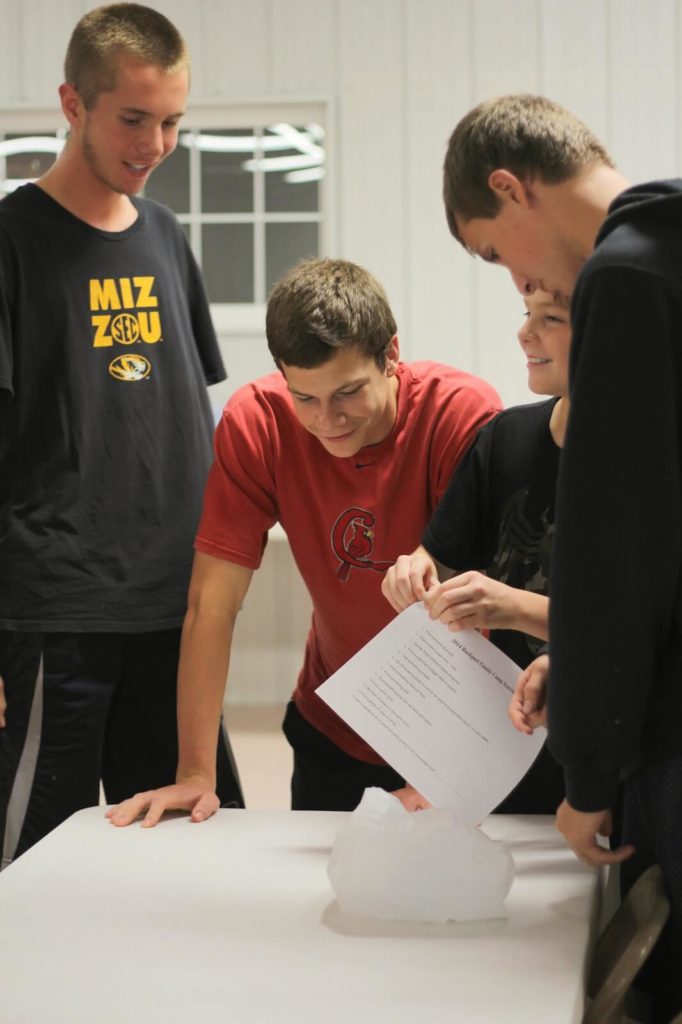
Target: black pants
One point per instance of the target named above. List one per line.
(325, 778)
(652, 822)
(540, 791)
(83, 708)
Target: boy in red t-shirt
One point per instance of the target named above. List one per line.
(350, 450)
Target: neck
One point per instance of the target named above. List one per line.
(581, 203)
(72, 184)
(558, 421)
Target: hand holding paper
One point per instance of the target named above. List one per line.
(434, 705)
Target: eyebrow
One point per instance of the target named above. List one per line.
(342, 387)
(148, 113)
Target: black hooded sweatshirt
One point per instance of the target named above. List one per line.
(615, 693)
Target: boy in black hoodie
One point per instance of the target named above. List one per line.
(528, 186)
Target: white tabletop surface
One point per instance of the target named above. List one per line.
(234, 922)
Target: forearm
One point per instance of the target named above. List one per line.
(204, 664)
(532, 614)
(216, 594)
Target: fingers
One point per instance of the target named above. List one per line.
(198, 799)
(580, 830)
(518, 718)
(596, 856)
(535, 691)
(516, 709)
(606, 827)
(537, 719)
(408, 580)
(411, 799)
(3, 705)
(129, 810)
(466, 601)
(205, 807)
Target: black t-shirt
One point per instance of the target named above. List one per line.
(106, 344)
(497, 514)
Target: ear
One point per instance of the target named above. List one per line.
(72, 106)
(508, 188)
(392, 356)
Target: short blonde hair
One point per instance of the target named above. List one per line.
(115, 30)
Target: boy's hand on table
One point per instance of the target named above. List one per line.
(580, 830)
(197, 796)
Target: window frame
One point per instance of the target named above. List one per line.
(236, 319)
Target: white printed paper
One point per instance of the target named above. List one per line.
(434, 705)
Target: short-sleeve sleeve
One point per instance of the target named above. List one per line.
(455, 535)
(239, 501)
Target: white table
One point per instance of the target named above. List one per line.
(234, 922)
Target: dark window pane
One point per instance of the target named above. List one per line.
(283, 196)
(225, 186)
(283, 193)
(30, 164)
(285, 244)
(169, 184)
(227, 262)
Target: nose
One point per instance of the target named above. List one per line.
(152, 141)
(328, 416)
(524, 284)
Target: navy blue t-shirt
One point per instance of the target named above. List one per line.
(106, 345)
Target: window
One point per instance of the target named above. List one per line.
(249, 201)
(250, 197)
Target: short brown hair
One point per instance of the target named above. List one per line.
(106, 33)
(321, 306)
(531, 136)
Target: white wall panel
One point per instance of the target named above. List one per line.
(304, 47)
(643, 68)
(438, 92)
(371, 184)
(189, 19)
(574, 55)
(35, 34)
(236, 49)
(506, 45)
(11, 45)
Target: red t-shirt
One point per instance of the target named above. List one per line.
(347, 519)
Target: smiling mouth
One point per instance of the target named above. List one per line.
(338, 437)
(137, 168)
(536, 361)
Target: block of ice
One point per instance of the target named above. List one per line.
(393, 864)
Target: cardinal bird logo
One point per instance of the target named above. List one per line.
(353, 542)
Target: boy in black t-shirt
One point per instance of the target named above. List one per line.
(494, 528)
(105, 440)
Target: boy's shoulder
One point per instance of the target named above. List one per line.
(519, 427)
(263, 399)
(442, 377)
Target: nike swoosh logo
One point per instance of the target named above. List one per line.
(364, 465)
